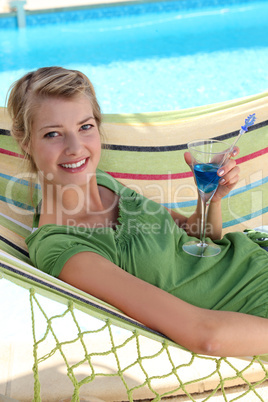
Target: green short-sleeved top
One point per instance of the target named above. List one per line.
(148, 244)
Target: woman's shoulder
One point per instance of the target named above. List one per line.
(45, 231)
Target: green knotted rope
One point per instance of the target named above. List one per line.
(164, 351)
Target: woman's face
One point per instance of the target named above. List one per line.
(65, 141)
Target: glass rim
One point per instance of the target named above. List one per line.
(190, 145)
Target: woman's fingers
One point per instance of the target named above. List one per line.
(188, 158)
(235, 151)
(230, 165)
(231, 177)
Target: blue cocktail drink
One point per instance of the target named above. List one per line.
(206, 177)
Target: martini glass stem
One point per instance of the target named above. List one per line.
(204, 214)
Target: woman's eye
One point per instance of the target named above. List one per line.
(52, 134)
(86, 127)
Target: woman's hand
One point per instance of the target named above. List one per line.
(229, 175)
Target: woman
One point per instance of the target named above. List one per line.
(115, 244)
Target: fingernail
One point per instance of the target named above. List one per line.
(222, 181)
(220, 172)
(234, 152)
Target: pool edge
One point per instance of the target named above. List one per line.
(112, 3)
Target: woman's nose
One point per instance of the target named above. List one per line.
(73, 145)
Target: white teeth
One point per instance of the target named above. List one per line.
(74, 165)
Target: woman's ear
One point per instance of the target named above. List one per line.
(26, 147)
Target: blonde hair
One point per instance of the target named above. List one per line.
(41, 84)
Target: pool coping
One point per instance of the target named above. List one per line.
(92, 5)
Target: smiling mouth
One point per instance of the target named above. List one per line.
(73, 165)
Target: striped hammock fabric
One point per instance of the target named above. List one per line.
(144, 152)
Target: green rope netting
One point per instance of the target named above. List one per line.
(115, 348)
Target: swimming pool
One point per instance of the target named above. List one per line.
(148, 57)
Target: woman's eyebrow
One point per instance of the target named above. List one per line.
(88, 118)
(60, 125)
(50, 126)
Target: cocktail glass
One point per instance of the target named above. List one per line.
(207, 157)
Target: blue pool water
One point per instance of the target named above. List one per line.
(145, 58)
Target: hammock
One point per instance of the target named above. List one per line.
(110, 356)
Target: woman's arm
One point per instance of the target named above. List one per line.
(202, 331)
